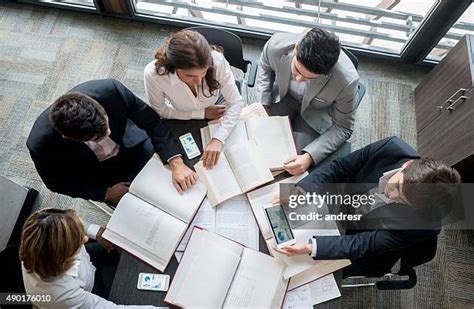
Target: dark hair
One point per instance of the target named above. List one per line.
(186, 49)
(49, 241)
(430, 183)
(78, 117)
(318, 51)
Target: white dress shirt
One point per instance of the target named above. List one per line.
(171, 98)
(380, 200)
(73, 288)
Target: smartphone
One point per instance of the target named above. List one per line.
(153, 282)
(279, 225)
(190, 146)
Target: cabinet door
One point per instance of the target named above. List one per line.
(453, 73)
(451, 136)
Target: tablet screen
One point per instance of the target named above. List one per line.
(279, 224)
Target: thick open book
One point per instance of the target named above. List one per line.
(216, 272)
(272, 135)
(303, 268)
(151, 219)
(240, 168)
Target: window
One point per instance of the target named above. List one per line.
(464, 25)
(382, 25)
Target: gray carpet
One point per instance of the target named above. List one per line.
(44, 52)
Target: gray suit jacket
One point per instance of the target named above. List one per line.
(329, 102)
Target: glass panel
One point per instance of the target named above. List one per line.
(383, 25)
(76, 3)
(465, 25)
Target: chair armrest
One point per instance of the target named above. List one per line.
(252, 73)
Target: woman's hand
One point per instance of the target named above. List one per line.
(211, 153)
(214, 111)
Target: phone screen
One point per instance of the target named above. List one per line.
(155, 282)
(279, 224)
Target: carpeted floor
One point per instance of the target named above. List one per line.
(44, 52)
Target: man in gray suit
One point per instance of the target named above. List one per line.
(315, 84)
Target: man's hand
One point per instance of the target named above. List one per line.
(214, 111)
(116, 192)
(296, 249)
(211, 153)
(182, 176)
(104, 242)
(297, 165)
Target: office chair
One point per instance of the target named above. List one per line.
(360, 88)
(233, 53)
(409, 258)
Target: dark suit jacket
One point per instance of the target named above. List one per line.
(70, 167)
(375, 250)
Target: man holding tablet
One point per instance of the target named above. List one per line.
(376, 242)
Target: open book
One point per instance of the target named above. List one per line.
(151, 219)
(216, 272)
(272, 135)
(240, 168)
(301, 268)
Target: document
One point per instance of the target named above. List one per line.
(216, 272)
(240, 168)
(302, 269)
(151, 219)
(313, 293)
(233, 219)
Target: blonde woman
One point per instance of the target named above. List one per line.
(55, 262)
(186, 80)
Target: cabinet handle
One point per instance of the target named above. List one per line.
(450, 99)
(451, 107)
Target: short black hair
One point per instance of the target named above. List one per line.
(78, 117)
(318, 51)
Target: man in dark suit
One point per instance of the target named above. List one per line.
(408, 193)
(92, 141)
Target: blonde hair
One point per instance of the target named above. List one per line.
(49, 241)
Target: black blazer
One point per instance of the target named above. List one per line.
(70, 167)
(377, 249)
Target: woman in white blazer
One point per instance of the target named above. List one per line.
(186, 80)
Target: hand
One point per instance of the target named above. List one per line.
(214, 111)
(104, 242)
(115, 193)
(296, 249)
(297, 165)
(182, 176)
(211, 153)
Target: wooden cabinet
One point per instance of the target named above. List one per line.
(445, 110)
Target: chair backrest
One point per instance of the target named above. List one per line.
(418, 254)
(230, 42)
(351, 56)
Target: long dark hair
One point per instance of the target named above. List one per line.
(186, 49)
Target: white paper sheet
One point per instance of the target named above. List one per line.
(313, 293)
(232, 219)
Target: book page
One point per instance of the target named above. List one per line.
(153, 184)
(273, 137)
(205, 272)
(220, 181)
(248, 165)
(264, 196)
(237, 135)
(255, 282)
(205, 136)
(253, 110)
(146, 226)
